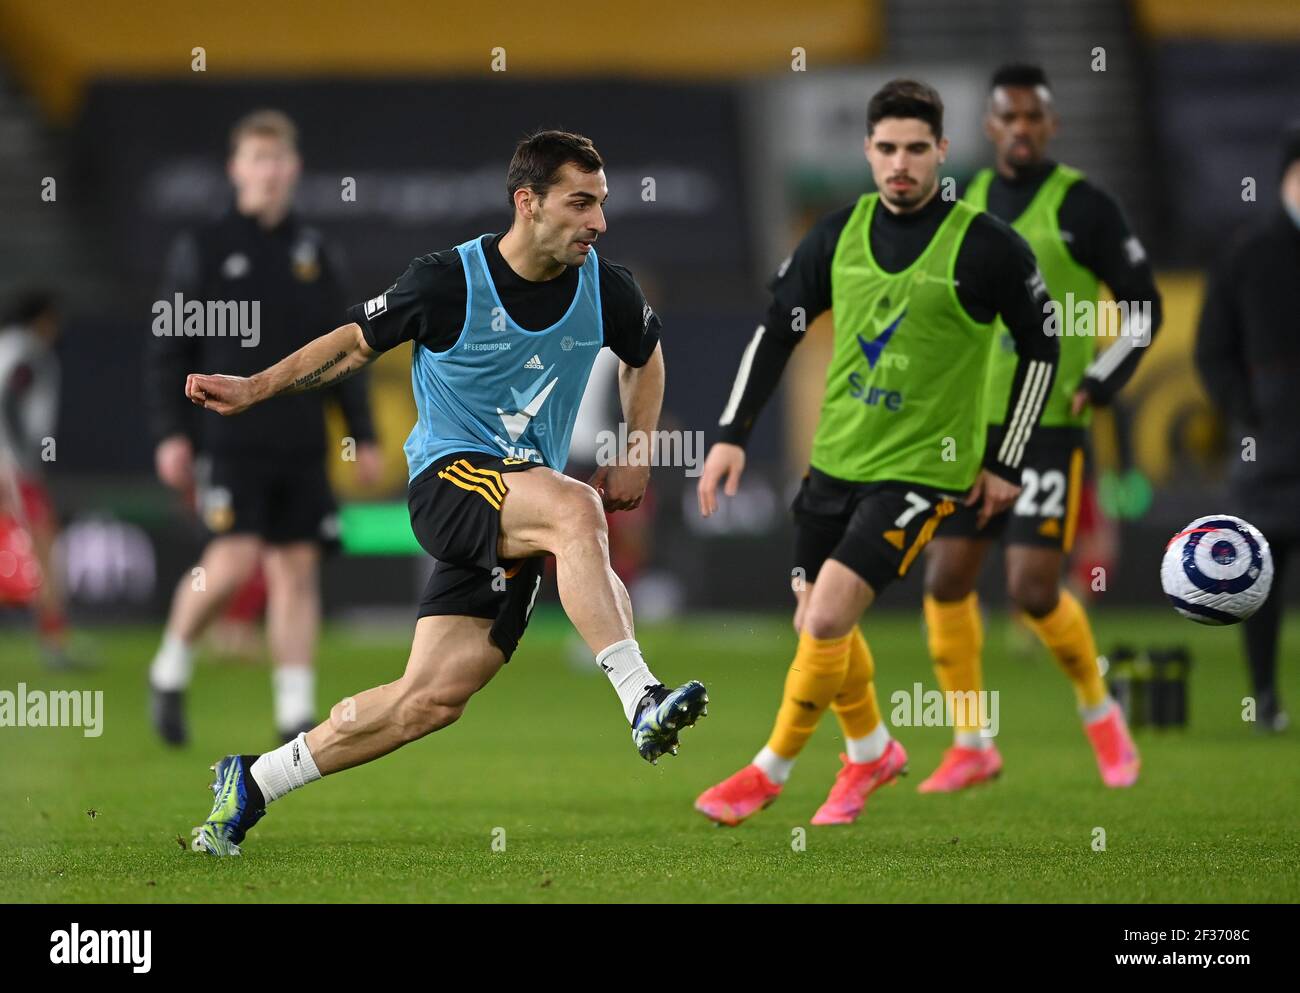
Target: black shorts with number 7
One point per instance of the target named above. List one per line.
(876, 529)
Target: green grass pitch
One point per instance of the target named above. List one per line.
(543, 762)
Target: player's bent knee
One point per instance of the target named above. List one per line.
(1037, 596)
(948, 587)
(949, 575)
(221, 576)
(821, 623)
(582, 515)
(235, 557)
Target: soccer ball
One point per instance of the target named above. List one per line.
(1217, 570)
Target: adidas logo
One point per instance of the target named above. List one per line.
(533, 363)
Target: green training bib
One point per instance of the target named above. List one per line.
(905, 389)
(1065, 280)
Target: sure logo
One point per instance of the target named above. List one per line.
(874, 396)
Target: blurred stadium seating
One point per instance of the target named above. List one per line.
(703, 97)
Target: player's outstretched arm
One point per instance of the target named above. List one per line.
(801, 290)
(327, 360)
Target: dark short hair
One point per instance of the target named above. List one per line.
(538, 158)
(266, 123)
(1019, 74)
(30, 304)
(906, 98)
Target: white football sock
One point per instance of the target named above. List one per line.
(288, 767)
(775, 767)
(295, 696)
(1091, 715)
(971, 739)
(626, 669)
(870, 747)
(172, 666)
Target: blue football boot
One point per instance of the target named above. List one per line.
(662, 713)
(237, 807)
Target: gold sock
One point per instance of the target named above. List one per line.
(1068, 636)
(855, 704)
(815, 675)
(955, 636)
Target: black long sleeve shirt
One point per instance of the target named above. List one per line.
(996, 276)
(1098, 237)
(297, 282)
(1248, 357)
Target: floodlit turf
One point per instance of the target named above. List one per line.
(543, 762)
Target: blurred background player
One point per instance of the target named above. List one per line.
(1080, 238)
(506, 328)
(260, 482)
(915, 283)
(1248, 355)
(29, 407)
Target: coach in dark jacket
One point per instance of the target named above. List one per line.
(1248, 355)
(239, 293)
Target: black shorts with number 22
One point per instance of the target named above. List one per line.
(1046, 513)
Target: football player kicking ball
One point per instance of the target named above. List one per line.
(1080, 237)
(916, 283)
(505, 329)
